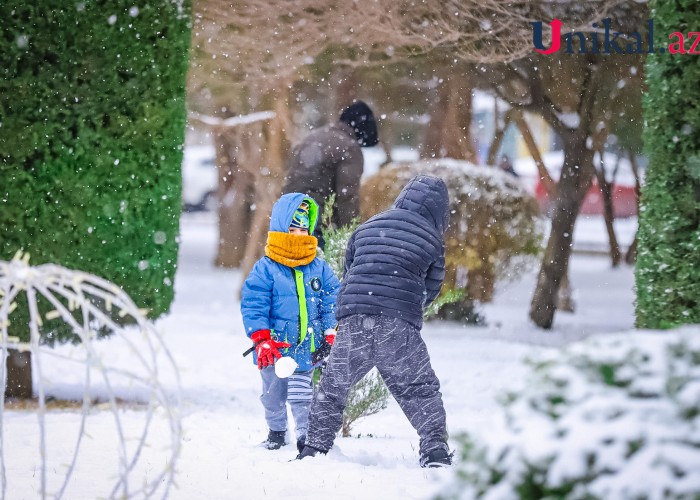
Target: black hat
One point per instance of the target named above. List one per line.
(360, 117)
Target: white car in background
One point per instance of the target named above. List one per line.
(199, 178)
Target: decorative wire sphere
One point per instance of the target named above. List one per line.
(146, 440)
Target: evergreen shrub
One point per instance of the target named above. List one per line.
(668, 259)
(92, 120)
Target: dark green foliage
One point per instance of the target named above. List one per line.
(668, 263)
(608, 374)
(450, 296)
(335, 238)
(534, 486)
(92, 116)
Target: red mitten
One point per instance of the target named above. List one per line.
(330, 335)
(266, 348)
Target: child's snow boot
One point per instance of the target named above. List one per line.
(439, 457)
(275, 440)
(309, 451)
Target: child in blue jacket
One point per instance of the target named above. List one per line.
(288, 309)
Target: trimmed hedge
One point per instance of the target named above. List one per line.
(668, 262)
(92, 121)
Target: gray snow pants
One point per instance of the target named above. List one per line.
(277, 392)
(396, 348)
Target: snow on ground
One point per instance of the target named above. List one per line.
(223, 420)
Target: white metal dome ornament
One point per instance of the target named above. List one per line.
(146, 431)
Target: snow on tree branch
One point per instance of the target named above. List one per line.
(233, 121)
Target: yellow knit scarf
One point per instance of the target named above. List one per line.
(291, 250)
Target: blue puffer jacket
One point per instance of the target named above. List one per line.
(269, 297)
(395, 262)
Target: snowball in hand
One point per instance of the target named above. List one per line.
(285, 366)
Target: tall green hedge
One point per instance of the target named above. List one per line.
(668, 265)
(92, 121)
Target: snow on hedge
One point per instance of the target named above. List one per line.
(613, 416)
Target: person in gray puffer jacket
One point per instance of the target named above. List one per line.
(394, 269)
(329, 160)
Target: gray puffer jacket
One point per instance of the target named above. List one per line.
(329, 160)
(395, 262)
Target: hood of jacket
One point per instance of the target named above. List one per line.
(283, 211)
(428, 197)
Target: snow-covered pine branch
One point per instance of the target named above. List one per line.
(613, 416)
(233, 121)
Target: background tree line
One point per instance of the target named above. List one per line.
(307, 61)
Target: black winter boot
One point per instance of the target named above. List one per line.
(275, 440)
(300, 444)
(309, 451)
(439, 457)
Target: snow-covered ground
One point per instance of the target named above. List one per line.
(223, 420)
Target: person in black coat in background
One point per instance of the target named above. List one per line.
(394, 269)
(329, 161)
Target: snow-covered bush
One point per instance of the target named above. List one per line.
(494, 228)
(610, 417)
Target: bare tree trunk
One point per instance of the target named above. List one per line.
(238, 162)
(344, 88)
(565, 295)
(386, 141)
(449, 131)
(234, 194)
(608, 212)
(269, 179)
(499, 135)
(631, 255)
(432, 144)
(481, 283)
(549, 184)
(19, 374)
(574, 182)
(481, 280)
